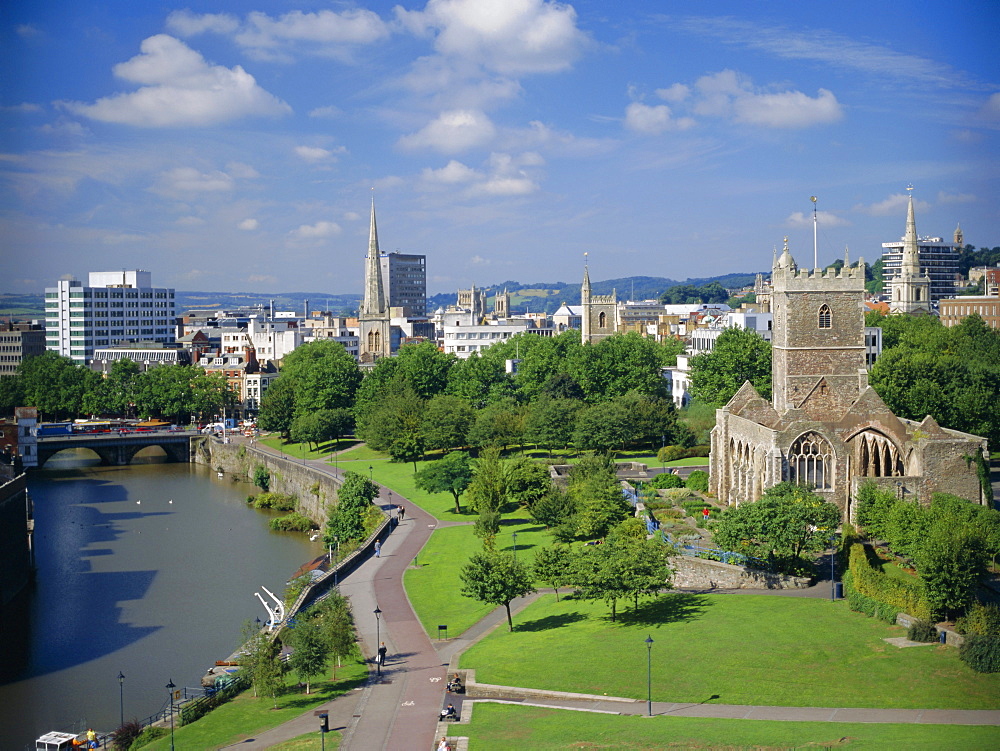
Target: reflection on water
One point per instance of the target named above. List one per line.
(149, 570)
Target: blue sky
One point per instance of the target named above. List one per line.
(235, 146)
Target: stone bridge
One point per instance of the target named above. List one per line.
(118, 449)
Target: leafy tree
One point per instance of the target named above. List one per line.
(498, 424)
(597, 496)
(617, 365)
(697, 480)
(666, 480)
(478, 380)
(527, 480)
(337, 624)
(324, 376)
(603, 427)
(785, 524)
(549, 422)
(654, 419)
(424, 368)
(562, 386)
(408, 447)
(262, 477)
(452, 474)
(398, 417)
(309, 650)
(488, 490)
(446, 422)
(354, 497)
(496, 578)
(10, 394)
(54, 385)
(260, 660)
(951, 561)
(554, 565)
(379, 383)
(277, 407)
(739, 355)
(553, 509)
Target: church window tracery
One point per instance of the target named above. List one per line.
(877, 456)
(810, 460)
(825, 317)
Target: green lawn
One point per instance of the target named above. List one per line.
(310, 742)
(433, 587)
(245, 716)
(504, 726)
(733, 649)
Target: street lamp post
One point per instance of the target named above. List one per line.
(378, 640)
(170, 695)
(649, 675)
(514, 535)
(371, 473)
(833, 572)
(121, 698)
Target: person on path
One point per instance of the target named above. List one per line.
(443, 745)
(378, 548)
(401, 513)
(381, 654)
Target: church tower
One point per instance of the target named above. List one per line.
(911, 289)
(501, 304)
(599, 318)
(373, 319)
(959, 237)
(818, 344)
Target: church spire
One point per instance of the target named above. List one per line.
(911, 250)
(374, 302)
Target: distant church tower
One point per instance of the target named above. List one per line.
(911, 290)
(373, 320)
(959, 237)
(501, 304)
(599, 318)
(818, 349)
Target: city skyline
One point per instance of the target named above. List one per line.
(225, 149)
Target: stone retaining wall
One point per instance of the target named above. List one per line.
(952, 637)
(476, 690)
(314, 490)
(700, 573)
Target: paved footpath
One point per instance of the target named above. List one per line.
(399, 710)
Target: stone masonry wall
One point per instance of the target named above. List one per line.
(700, 573)
(314, 490)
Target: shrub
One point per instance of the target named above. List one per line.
(981, 653)
(262, 477)
(861, 603)
(147, 736)
(697, 480)
(981, 620)
(906, 596)
(126, 735)
(487, 525)
(921, 630)
(293, 522)
(276, 501)
(671, 453)
(667, 480)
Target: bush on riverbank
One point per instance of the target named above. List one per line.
(276, 501)
(293, 522)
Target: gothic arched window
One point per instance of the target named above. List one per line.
(825, 317)
(602, 320)
(810, 461)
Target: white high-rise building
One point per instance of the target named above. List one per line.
(115, 307)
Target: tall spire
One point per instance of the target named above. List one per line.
(374, 302)
(911, 250)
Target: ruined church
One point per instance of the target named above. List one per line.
(825, 426)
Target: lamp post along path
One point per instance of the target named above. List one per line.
(649, 675)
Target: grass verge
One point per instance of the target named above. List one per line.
(733, 649)
(246, 716)
(502, 727)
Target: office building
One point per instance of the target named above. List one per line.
(405, 279)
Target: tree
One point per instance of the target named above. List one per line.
(739, 355)
(424, 368)
(619, 364)
(488, 490)
(445, 422)
(527, 480)
(337, 623)
(498, 424)
(555, 509)
(951, 561)
(54, 385)
(478, 380)
(597, 496)
(277, 407)
(309, 650)
(554, 565)
(785, 524)
(324, 376)
(260, 660)
(354, 498)
(602, 427)
(452, 474)
(496, 579)
(549, 422)
(262, 477)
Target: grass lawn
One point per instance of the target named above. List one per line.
(309, 742)
(245, 716)
(733, 649)
(433, 587)
(504, 726)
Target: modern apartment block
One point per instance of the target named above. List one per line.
(405, 278)
(114, 307)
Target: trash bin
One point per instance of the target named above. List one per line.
(838, 590)
(943, 637)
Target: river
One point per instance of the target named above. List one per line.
(149, 570)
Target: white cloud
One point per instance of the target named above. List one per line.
(823, 218)
(894, 205)
(179, 88)
(507, 186)
(316, 154)
(452, 132)
(248, 225)
(948, 198)
(478, 260)
(187, 24)
(187, 180)
(452, 173)
(512, 37)
(788, 109)
(262, 279)
(328, 112)
(316, 231)
(189, 221)
(24, 107)
(241, 171)
(27, 30)
(676, 93)
(653, 120)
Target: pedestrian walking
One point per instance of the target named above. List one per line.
(402, 512)
(381, 654)
(378, 548)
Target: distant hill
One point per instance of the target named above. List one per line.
(534, 297)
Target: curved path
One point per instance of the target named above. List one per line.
(399, 709)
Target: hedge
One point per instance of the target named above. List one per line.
(863, 604)
(908, 597)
